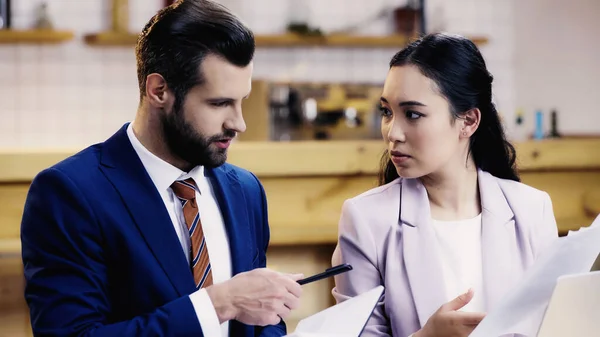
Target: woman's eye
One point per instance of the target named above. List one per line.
(413, 115)
(385, 111)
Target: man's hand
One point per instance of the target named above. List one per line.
(448, 322)
(258, 297)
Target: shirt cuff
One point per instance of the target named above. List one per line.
(205, 311)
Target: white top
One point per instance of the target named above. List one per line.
(163, 175)
(459, 249)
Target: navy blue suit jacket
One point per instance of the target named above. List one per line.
(101, 256)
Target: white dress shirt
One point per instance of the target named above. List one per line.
(459, 249)
(163, 175)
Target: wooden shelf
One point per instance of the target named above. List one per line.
(112, 39)
(283, 40)
(295, 40)
(34, 36)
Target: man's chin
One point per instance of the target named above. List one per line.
(217, 159)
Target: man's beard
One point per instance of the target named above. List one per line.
(191, 146)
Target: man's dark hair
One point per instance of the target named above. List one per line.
(177, 39)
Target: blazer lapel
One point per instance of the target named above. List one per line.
(499, 244)
(423, 266)
(232, 202)
(126, 172)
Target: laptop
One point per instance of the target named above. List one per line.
(574, 308)
(346, 319)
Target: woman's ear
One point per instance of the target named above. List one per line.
(470, 122)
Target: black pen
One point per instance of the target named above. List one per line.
(342, 268)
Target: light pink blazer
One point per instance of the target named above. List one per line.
(387, 236)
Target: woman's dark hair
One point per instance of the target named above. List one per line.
(456, 66)
(176, 40)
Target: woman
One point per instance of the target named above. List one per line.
(450, 214)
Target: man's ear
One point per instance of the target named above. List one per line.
(470, 121)
(157, 91)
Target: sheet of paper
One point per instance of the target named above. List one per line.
(522, 310)
(345, 319)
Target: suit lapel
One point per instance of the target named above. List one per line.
(423, 266)
(499, 244)
(232, 202)
(126, 172)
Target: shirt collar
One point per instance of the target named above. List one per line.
(162, 173)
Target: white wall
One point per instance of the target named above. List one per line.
(558, 61)
(71, 95)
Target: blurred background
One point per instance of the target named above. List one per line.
(68, 80)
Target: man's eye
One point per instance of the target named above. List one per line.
(221, 104)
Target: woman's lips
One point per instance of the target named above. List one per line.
(399, 157)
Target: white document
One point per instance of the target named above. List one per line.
(574, 309)
(346, 319)
(522, 310)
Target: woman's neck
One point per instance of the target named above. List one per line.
(453, 193)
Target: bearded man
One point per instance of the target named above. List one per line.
(152, 233)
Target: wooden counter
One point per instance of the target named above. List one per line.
(306, 184)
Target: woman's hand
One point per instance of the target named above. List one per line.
(447, 321)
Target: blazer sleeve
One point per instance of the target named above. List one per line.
(547, 230)
(66, 273)
(269, 330)
(356, 246)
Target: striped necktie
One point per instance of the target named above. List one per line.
(200, 264)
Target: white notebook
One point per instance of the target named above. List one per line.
(346, 319)
(574, 308)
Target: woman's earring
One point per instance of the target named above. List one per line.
(464, 133)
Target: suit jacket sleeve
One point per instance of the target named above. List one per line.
(356, 246)
(269, 330)
(66, 272)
